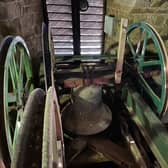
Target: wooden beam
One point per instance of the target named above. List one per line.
(121, 50)
(120, 155)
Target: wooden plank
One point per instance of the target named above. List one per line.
(121, 50)
(120, 155)
(76, 82)
(135, 151)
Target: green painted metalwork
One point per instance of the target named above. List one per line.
(153, 131)
(17, 84)
(142, 60)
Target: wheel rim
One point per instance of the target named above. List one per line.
(46, 57)
(29, 139)
(17, 83)
(53, 143)
(150, 61)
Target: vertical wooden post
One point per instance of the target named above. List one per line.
(121, 50)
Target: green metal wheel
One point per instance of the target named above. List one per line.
(16, 84)
(148, 60)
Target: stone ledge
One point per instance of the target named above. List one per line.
(144, 10)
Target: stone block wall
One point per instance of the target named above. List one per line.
(24, 18)
(154, 12)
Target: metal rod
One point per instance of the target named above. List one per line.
(76, 26)
(45, 14)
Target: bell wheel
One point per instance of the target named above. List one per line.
(53, 143)
(16, 84)
(147, 58)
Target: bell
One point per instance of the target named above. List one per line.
(87, 115)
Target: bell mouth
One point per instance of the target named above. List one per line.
(87, 125)
(85, 117)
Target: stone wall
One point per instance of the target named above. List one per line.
(154, 12)
(24, 18)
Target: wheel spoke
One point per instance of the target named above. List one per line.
(131, 46)
(138, 47)
(13, 78)
(21, 61)
(17, 124)
(15, 68)
(28, 85)
(150, 63)
(27, 66)
(21, 70)
(139, 42)
(14, 72)
(156, 100)
(144, 44)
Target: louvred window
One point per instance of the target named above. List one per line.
(91, 27)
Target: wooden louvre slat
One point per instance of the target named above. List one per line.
(57, 17)
(91, 38)
(97, 3)
(93, 18)
(90, 32)
(63, 45)
(62, 38)
(93, 10)
(62, 31)
(90, 45)
(91, 25)
(90, 51)
(58, 2)
(59, 8)
(60, 24)
(63, 51)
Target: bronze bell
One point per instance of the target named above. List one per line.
(87, 115)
